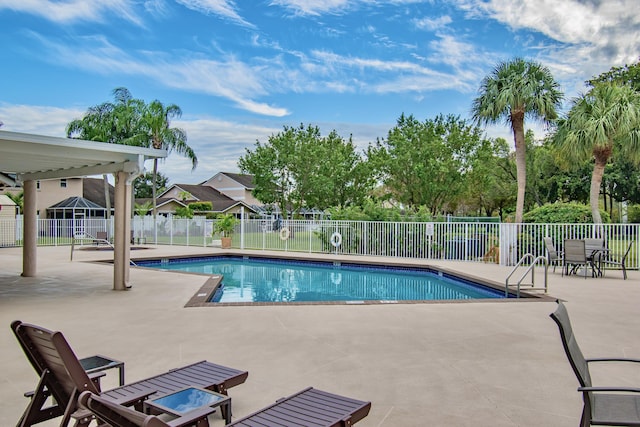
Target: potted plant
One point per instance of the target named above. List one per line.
(225, 225)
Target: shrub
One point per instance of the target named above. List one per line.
(563, 213)
(201, 206)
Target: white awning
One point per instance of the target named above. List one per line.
(33, 157)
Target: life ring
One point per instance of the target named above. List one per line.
(284, 233)
(336, 239)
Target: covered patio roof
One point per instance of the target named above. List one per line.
(46, 157)
(38, 157)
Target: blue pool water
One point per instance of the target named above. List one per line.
(271, 280)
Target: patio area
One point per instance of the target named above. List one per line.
(440, 364)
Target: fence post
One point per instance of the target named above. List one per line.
(242, 219)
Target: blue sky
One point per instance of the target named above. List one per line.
(241, 70)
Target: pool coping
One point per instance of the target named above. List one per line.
(203, 295)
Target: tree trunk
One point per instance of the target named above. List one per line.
(153, 197)
(596, 181)
(153, 186)
(517, 124)
(107, 198)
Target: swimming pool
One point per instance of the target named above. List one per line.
(267, 280)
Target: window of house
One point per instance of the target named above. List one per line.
(37, 184)
(63, 183)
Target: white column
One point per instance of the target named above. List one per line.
(30, 229)
(122, 232)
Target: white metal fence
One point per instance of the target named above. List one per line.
(479, 242)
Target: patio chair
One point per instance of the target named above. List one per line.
(553, 256)
(621, 262)
(110, 414)
(611, 406)
(575, 257)
(101, 238)
(309, 407)
(63, 378)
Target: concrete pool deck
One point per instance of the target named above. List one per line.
(441, 364)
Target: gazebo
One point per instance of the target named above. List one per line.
(75, 207)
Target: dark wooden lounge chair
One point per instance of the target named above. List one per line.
(309, 407)
(610, 406)
(63, 378)
(110, 414)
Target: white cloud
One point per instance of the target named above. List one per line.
(223, 8)
(433, 24)
(73, 10)
(41, 120)
(585, 38)
(227, 78)
(389, 76)
(314, 7)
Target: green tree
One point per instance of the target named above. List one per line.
(141, 209)
(112, 122)
(603, 122)
(329, 172)
(142, 186)
(299, 168)
(629, 74)
(18, 199)
(516, 90)
(491, 182)
(156, 121)
(425, 163)
(270, 164)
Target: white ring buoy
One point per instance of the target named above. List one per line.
(336, 239)
(284, 233)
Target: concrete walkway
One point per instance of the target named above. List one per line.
(441, 364)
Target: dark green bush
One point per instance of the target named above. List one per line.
(201, 206)
(563, 213)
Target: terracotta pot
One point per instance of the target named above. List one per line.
(225, 242)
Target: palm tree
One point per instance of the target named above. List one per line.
(516, 90)
(115, 123)
(18, 199)
(96, 125)
(603, 122)
(157, 121)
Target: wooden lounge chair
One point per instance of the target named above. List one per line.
(110, 414)
(611, 406)
(309, 407)
(63, 378)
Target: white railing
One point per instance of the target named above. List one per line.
(480, 242)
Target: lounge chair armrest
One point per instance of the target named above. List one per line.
(135, 397)
(619, 389)
(191, 417)
(613, 359)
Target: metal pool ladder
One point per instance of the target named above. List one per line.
(530, 269)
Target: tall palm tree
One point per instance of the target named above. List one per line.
(157, 121)
(96, 125)
(113, 122)
(603, 122)
(516, 90)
